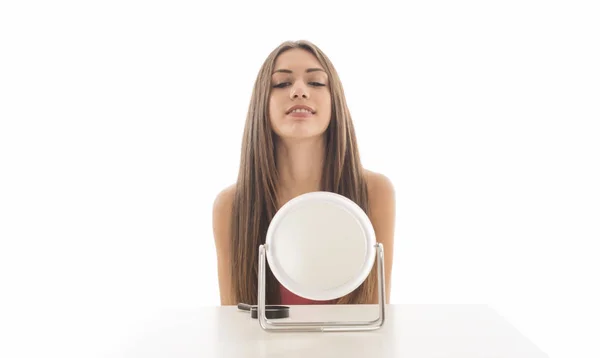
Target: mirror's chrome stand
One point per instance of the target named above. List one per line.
(270, 325)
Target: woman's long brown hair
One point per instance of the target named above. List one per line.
(255, 201)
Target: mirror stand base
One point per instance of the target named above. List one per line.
(325, 326)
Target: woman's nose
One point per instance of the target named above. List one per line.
(299, 90)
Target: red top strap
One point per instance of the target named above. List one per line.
(289, 298)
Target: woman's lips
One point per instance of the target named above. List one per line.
(300, 114)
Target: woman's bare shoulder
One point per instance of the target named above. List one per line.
(378, 185)
(382, 197)
(224, 198)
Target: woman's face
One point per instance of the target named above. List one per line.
(300, 102)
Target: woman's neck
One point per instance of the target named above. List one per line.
(300, 166)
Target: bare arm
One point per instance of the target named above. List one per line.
(222, 211)
(382, 202)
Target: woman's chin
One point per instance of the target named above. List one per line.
(301, 135)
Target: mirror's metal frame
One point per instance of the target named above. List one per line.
(328, 326)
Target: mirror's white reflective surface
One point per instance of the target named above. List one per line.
(320, 246)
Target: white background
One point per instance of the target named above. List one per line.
(120, 121)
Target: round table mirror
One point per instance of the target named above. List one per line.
(321, 246)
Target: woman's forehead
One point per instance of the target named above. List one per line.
(297, 61)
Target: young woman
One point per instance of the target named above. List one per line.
(298, 138)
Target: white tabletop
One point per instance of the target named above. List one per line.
(410, 331)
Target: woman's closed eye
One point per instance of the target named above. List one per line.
(285, 84)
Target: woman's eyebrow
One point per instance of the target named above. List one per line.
(307, 70)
